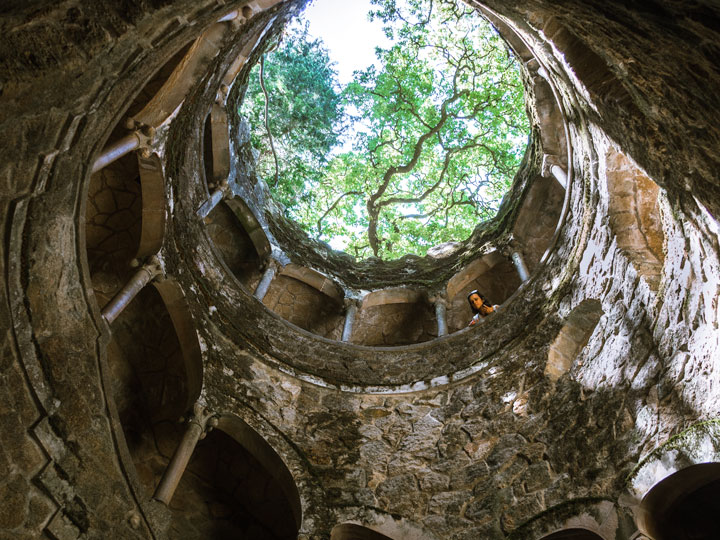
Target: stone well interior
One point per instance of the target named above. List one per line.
(180, 361)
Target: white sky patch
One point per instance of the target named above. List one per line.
(348, 34)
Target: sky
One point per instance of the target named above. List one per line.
(351, 39)
(344, 27)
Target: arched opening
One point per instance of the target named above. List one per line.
(305, 306)
(538, 216)
(634, 214)
(392, 317)
(351, 531)
(227, 492)
(156, 82)
(572, 338)
(573, 534)
(493, 275)
(234, 244)
(684, 506)
(125, 209)
(113, 223)
(150, 383)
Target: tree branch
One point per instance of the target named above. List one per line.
(267, 119)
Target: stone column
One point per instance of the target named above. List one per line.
(351, 308)
(262, 287)
(217, 196)
(142, 277)
(198, 426)
(519, 263)
(441, 316)
(559, 174)
(133, 141)
(551, 165)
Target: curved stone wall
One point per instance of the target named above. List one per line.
(464, 436)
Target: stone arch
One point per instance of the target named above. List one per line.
(673, 479)
(220, 145)
(492, 274)
(182, 322)
(235, 486)
(573, 534)
(154, 208)
(351, 531)
(580, 519)
(572, 338)
(149, 383)
(252, 226)
(684, 505)
(183, 78)
(362, 523)
(394, 316)
(236, 247)
(315, 279)
(634, 215)
(538, 218)
(308, 300)
(257, 447)
(156, 81)
(113, 225)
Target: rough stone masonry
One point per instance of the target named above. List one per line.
(570, 411)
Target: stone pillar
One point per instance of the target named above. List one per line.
(133, 141)
(217, 196)
(559, 175)
(551, 165)
(262, 287)
(198, 426)
(142, 277)
(441, 316)
(351, 308)
(519, 263)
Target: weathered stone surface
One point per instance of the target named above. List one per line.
(465, 436)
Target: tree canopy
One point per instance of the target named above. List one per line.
(437, 131)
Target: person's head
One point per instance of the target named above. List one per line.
(476, 301)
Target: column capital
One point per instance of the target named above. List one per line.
(203, 417)
(439, 298)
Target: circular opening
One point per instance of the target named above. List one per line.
(408, 153)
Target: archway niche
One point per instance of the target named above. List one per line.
(684, 506)
(351, 531)
(538, 217)
(234, 244)
(572, 338)
(397, 316)
(146, 94)
(113, 223)
(634, 214)
(493, 275)
(156, 82)
(228, 492)
(304, 305)
(125, 207)
(153, 379)
(573, 534)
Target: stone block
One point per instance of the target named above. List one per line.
(538, 476)
(61, 528)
